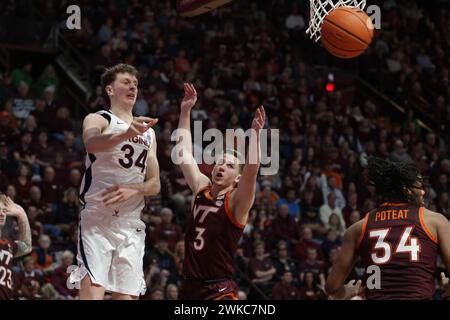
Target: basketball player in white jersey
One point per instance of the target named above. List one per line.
(121, 168)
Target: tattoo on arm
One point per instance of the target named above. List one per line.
(24, 242)
(22, 248)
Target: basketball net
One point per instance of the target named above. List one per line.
(320, 8)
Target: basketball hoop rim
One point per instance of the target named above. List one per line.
(319, 9)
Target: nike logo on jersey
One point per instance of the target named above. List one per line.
(118, 122)
(138, 230)
(222, 289)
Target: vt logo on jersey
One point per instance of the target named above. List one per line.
(199, 241)
(5, 256)
(205, 211)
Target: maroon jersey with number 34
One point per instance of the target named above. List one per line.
(211, 239)
(7, 251)
(395, 238)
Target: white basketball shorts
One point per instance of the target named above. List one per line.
(111, 251)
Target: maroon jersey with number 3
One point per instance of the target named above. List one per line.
(7, 251)
(211, 239)
(395, 238)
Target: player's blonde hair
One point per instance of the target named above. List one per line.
(236, 154)
(3, 198)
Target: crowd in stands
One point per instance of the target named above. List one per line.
(243, 55)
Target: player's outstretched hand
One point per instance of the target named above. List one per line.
(352, 289)
(13, 209)
(139, 126)
(117, 194)
(445, 285)
(259, 119)
(190, 97)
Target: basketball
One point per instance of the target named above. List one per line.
(346, 32)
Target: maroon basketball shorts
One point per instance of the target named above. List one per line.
(220, 289)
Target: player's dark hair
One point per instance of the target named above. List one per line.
(393, 181)
(110, 74)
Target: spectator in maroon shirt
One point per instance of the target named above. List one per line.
(74, 179)
(331, 241)
(313, 265)
(4, 181)
(43, 150)
(23, 183)
(30, 126)
(171, 292)
(285, 290)
(309, 289)
(352, 205)
(181, 192)
(97, 102)
(310, 219)
(256, 235)
(306, 241)
(7, 163)
(42, 114)
(171, 231)
(283, 227)
(312, 194)
(29, 290)
(60, 168)
(261, 268)
(442, 184)
(60, 276)
(36, 200)
(443, 203)
(355, 216)
(283, 261)
(24, 151)
(68, 211)
(69, 148)
(296, 175)
(35, 225)
(61, 123)
(332, 256)
(29, 271)
(8, 124)
(49, 187)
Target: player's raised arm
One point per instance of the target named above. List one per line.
(242, 200)
(443, 239)
(152, 184)
(194, 178)
(335, 285)
(24, 242)
(95, 141)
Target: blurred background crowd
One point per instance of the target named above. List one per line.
(393, 102)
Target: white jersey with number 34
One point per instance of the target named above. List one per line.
(123, 164)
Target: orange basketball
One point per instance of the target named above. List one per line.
(346, 32)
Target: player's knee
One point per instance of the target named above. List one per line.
(90, 291)
(121, 296)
